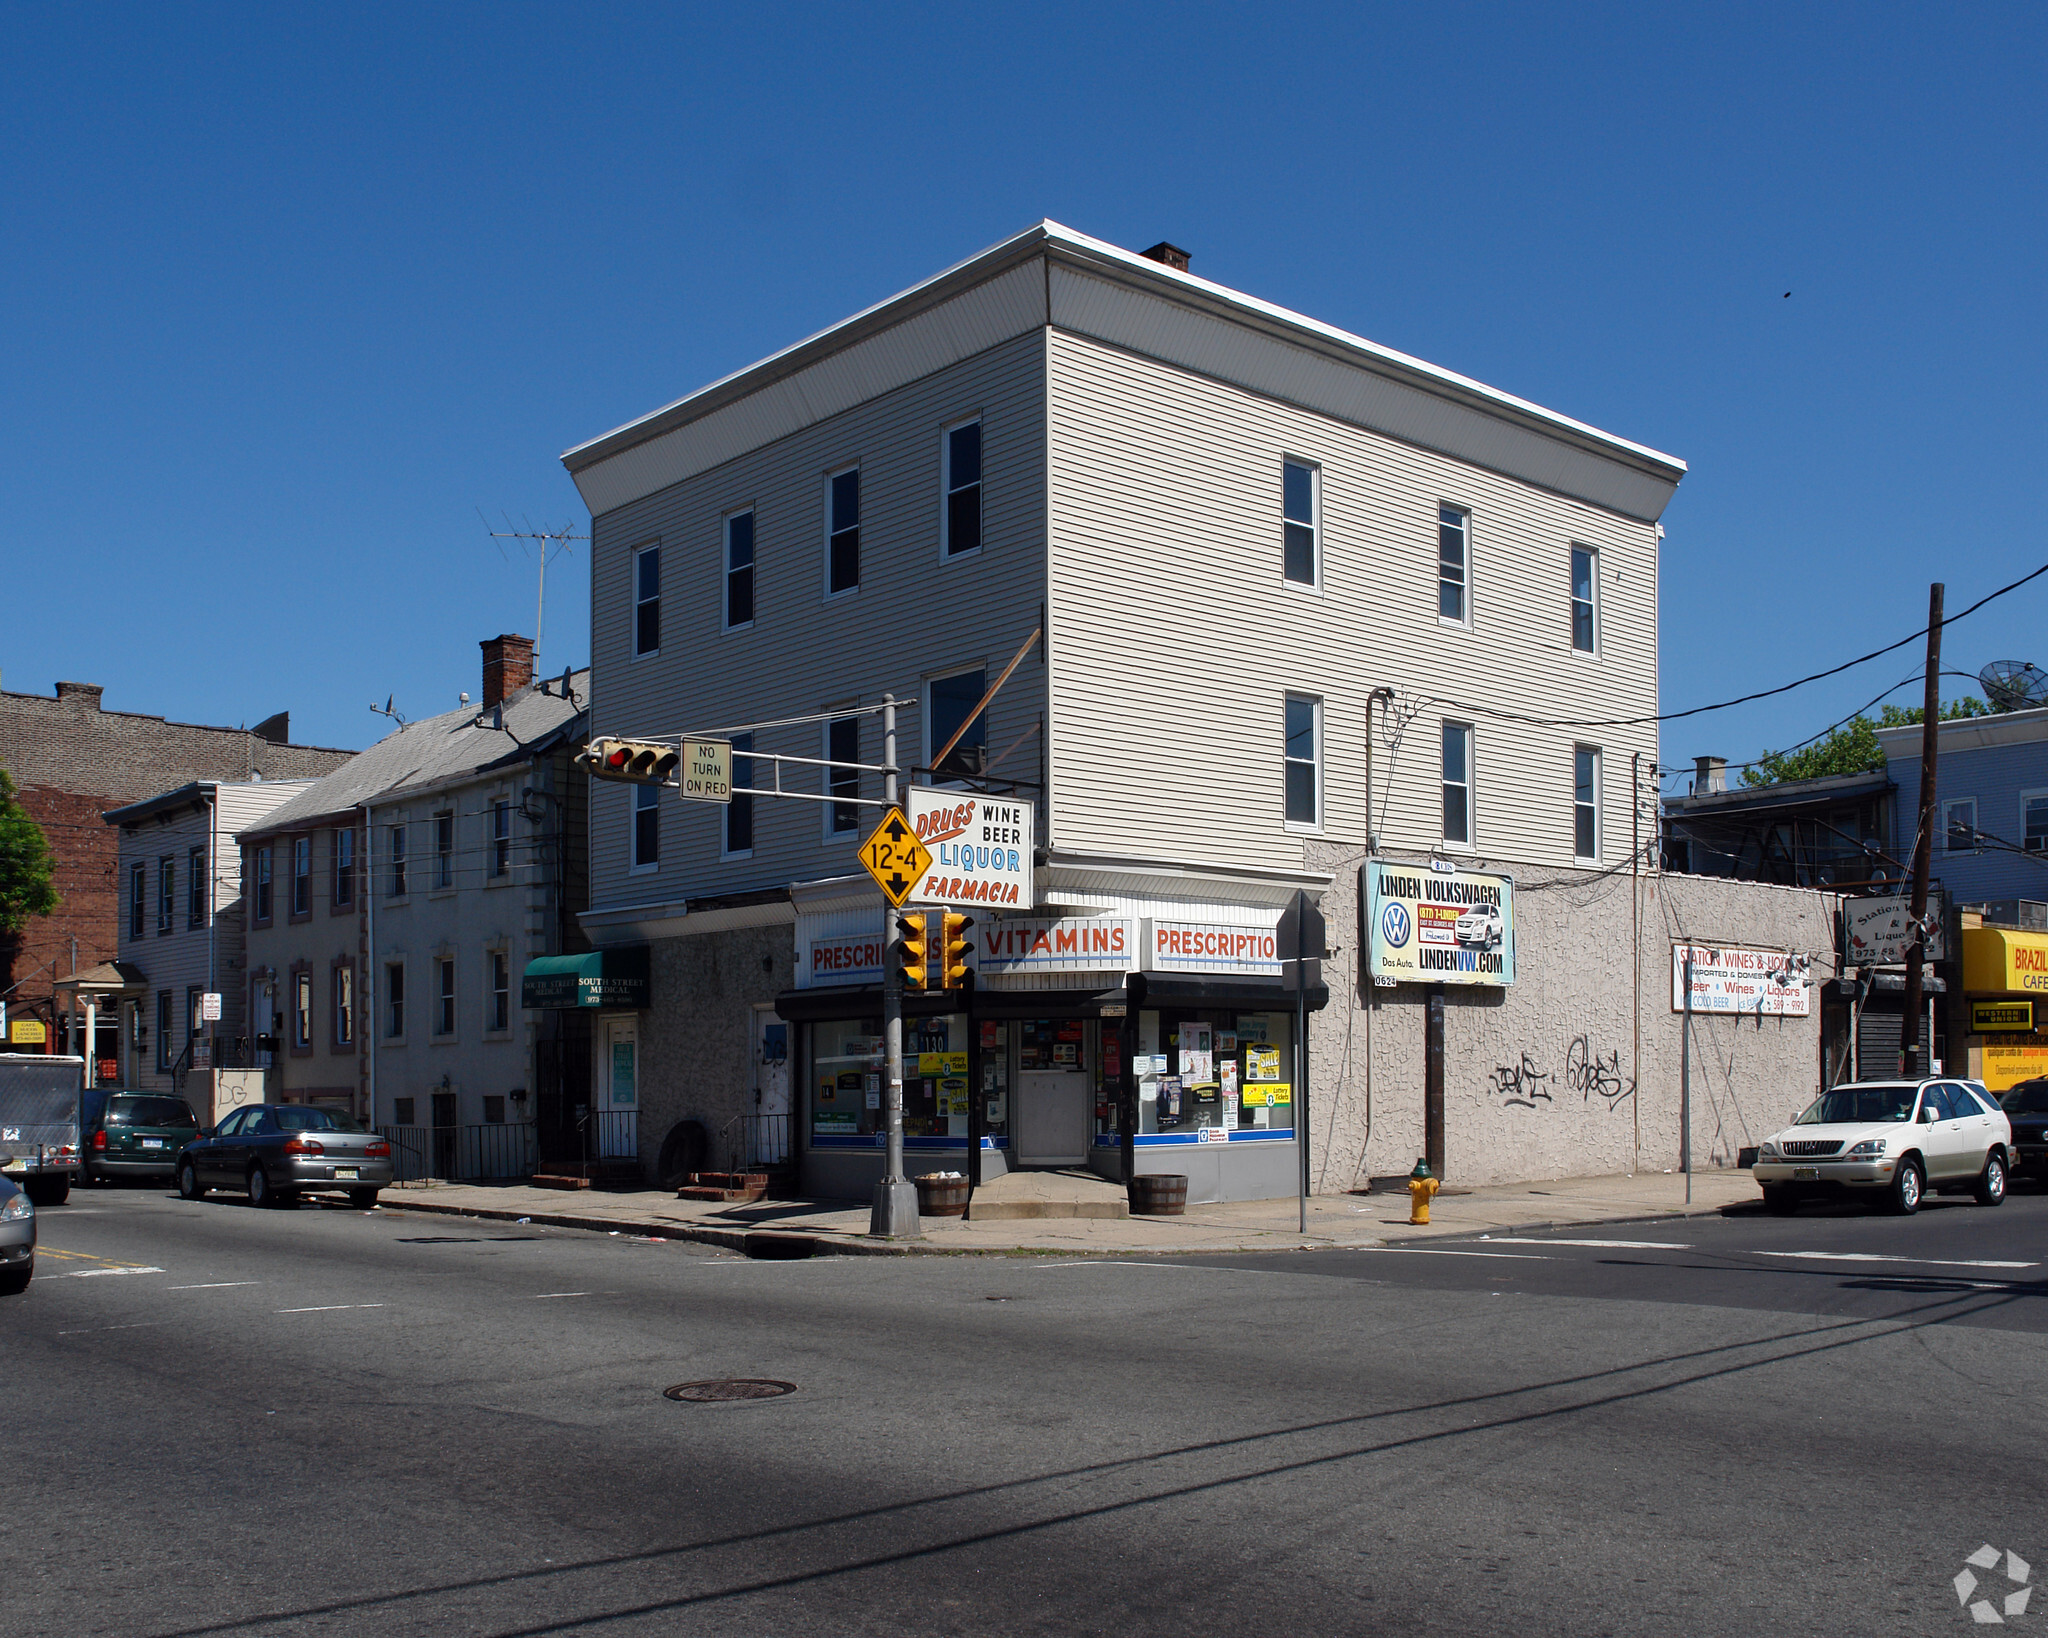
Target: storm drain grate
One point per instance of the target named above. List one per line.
(726, 1388)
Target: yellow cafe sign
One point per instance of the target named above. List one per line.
(1997, 960)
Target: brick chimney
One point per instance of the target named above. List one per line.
(85, 695)
(1172, 255)
(508, 667)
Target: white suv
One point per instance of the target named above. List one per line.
(1895, 1139)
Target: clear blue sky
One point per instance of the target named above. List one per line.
(291, 294)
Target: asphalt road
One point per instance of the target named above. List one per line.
(223, 1421)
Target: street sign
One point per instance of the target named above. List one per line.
(979, 848)
(209, 1006)
(707, 770)
(894, 856)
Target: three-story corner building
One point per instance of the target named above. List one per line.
(1281, 595)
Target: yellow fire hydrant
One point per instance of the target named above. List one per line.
(1421, 1185)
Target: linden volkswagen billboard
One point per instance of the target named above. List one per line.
(1427, 925)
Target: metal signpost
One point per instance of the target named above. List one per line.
(894, 1214)
(1302, 932)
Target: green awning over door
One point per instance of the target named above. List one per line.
(615, 977)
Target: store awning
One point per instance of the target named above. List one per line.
(2000, 961)
(615, 977)
(865, 1000)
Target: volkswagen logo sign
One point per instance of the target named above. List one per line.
(1394, 924)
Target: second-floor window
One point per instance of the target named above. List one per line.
(302, 875)
(1453, 563)
(394, 883)
(842, 744)
(344, 1005)
(2034, 820)
(739, 812)
(1585, 802)
(195, 887)
(501, 838)
(1298, 522)
(1959, 825)
(646, 826)
(344, 869)
(166, 893)
(444, 850)
(394, 999)
(647, 600)
(1585, 563)
(1303, 760)
(263, 884)
(842, 531)
(138, 900)
(960, 524)
(1457, 783)
(739, 570)
(302, 1009)
(950, 699)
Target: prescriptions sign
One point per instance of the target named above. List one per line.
(980, 846)
(1429, 926)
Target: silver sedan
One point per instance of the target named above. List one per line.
(17, 1238)
(273, 1151)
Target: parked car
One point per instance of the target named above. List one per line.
(2026, 1107)
(17, 1238)
(1479, 928)
(1890, 1141)
(138, 1135)
(274, 1151)
(39, 1117)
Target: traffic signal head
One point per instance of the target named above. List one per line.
(914, 950)
(954, 950)
(635, 761)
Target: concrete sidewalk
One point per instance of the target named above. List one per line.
(840, 1226)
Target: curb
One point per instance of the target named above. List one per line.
(765, 1241)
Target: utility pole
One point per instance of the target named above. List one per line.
(894, 1213)
(1923, 843)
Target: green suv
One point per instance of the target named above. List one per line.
(138, 1134)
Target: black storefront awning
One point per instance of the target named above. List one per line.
(865, 1000)
(615, 977)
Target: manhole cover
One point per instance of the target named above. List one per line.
(729, 1387)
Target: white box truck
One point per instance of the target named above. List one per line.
(41, 1100)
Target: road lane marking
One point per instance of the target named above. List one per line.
(1876, 1257)
(1602, 1245)
(217, 1285)
(87, 1257)
(545, 1296)
(330, 1308)
(139, 1325)
(1431, 1251)
(96, 1273)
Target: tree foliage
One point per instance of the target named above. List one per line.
(1852, 748)
(25, 864)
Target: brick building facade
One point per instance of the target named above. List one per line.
(72, 760)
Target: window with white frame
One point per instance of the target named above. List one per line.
(646, 826)
(195, 887)
(647, 600)
(1457, 783)
(1959, 825)
(444, 850)
(739, 812)
(1303, 760)
(842, 744)
(444, 998)
(500, 1016)
(1585, 802)
(344, 869)
(2034, 820)
(166, 892)
(1453, 564)
(960, 522)
(501, 838)
(166, 1022)
(842, 531)
(138, 899)
(302, 875)
(394, 1000)
(1299, 530)
(739, 570)
(344, 1004)
(394, 883)
(1585, 577)
(263, 883)
(302, 1009)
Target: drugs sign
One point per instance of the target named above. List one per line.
(980, 848)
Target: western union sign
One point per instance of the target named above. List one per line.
(2001, 1017)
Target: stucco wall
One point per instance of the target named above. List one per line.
(1541, 1079)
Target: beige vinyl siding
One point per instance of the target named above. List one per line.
(1174, 639)
(913, 615)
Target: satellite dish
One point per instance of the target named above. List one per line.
(2014, 685)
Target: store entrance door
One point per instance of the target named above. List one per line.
(1052, 1117)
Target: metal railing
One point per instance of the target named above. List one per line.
(411, 1151)
(497, 1151)
(752, 1141)
(612, 1134)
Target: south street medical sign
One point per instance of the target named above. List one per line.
(1435, 926)
(980, 847)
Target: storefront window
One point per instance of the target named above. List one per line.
(846, 1079)
(935, 1079)
(1214, 1069)
(995, 1078)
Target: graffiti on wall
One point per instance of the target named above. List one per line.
(1525, 1083)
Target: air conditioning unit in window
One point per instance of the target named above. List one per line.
(2028, 915)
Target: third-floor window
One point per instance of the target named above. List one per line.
(302, 875)
(1298, 522)
(739, 570)
(842, 531)
(1585, 566)
(1453, 564)
(647, 600)
(961, 523)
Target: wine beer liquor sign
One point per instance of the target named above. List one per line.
(1431, 924)
(980, 847)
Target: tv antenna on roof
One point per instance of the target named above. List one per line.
(552, 543)
(2014, 685)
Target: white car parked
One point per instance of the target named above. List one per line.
(1893, 1140)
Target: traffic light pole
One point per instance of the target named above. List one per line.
(894, 1214)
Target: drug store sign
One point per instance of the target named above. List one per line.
(980, 847)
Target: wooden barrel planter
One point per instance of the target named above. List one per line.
(1159, 1194)
(941, 1196)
